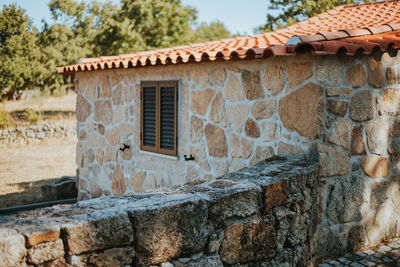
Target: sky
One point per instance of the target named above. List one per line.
(239, 16)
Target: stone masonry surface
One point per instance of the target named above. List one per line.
(383, 255)
(264, 215)
(342, 111)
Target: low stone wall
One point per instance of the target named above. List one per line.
(35, 134)
(264, 215)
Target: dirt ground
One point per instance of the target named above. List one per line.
(24, 168)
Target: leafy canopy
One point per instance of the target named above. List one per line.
(79, 29)
(19, 55)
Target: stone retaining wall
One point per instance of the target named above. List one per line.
(264, 215)
(35, 134)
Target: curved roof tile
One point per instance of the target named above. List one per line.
(347, 29)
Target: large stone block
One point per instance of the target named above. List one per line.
(356, 76)
(337, 107)
(112, 135)
(217, 112)
(363, 106)
(270, 131)
(218, 76)
(83, 108)
(12, 248)
(196, 129)
(200, 76)
(118, 185)
(341, 133)
(377, 135)
(166, 232)
(333, 161)
(46, 252)
(216, 141)
(375, 166)
(391, 102)
(346, 198)
(263, 109)
(103, 111)
(303, 110)
(136, 181)
(233, 89)
(394, 129)
(251, 128)
(237, 115)
(247, 242)
(274, 79)
(376, 73)
(382, 224)
(274, 194)
(101, 231)
(298, 73)
(200, 100)
(105, 86)
(231, 201)
(240, 147)
(252, 84)
(357, 146)
(117, 95)
(391, 76)
(329, 72)
(118, 257)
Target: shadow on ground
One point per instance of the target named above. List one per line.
(40, 191)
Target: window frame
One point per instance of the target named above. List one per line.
(158, 85)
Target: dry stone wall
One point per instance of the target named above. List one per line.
(343, 111)
(35, 134)
(264, 215)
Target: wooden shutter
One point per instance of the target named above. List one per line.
(159, 117)
(149, 117)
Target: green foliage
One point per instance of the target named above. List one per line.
(3, 119)
(288, 12)
(210, 32)
(31, 116)
(81, 29)
(20, 66)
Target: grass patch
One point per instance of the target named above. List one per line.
(31, 115)
(3, 119)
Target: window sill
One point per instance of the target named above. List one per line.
(158, 155)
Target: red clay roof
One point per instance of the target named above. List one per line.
(347, 29)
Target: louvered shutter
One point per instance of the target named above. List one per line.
(149, 117)
(159, 117)
(167, 117)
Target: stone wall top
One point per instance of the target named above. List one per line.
(202, 218)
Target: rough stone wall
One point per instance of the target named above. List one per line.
(34, 134)
(264, 215)
(341, 110)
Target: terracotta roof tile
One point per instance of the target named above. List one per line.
(348, 29)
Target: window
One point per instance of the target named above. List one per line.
(159, 117)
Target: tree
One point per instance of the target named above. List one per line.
(144, 25)
(19, 56)
(209, 32)
(288, 12)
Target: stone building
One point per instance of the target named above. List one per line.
(326, 88)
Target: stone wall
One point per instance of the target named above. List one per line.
(264, 215)
(34, 134)
(341, 110)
